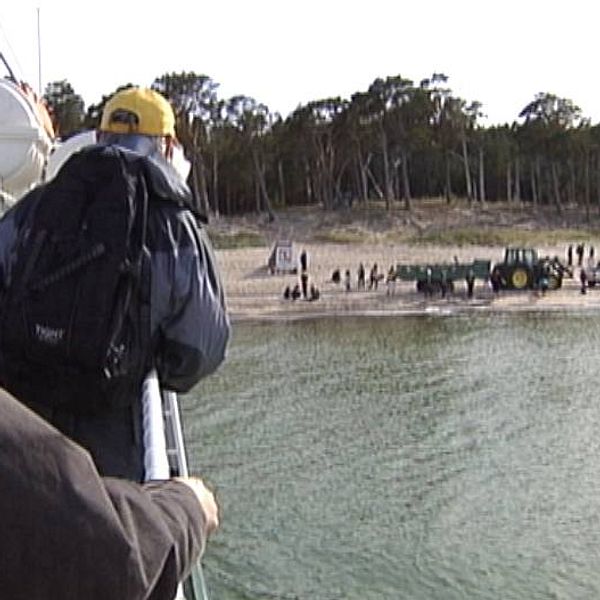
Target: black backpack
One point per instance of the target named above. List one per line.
(75, 315)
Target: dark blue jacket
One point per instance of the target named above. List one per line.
(188, 318)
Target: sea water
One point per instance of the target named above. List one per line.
(417, 457)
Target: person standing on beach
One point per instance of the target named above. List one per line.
(347, 280)
(373, 277)
(427, 286)
(496, 280)
(391, 281)
(570, 255)
(304, 273)
(583, 280)
(445, 286)
(303, 260)
(580, 250)
(361, 277)
(470, 281)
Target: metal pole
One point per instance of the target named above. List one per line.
(196, 578)
(165, 456)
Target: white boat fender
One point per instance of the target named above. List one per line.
(25, 139)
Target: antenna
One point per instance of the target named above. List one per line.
(39, 54)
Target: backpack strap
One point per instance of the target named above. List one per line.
(137, 269)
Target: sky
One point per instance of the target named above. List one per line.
(285, 53)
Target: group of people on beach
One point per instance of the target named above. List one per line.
(369, 279)
(375, 278)
(579, 250)
(302, 289)
(587, 268)
(296, 292)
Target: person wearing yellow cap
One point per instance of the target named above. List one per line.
(58, 281)
(139, 119)
(138, 110)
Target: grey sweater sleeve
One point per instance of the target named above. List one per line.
(166, 531)
(67, 533)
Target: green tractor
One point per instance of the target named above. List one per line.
(523, 269)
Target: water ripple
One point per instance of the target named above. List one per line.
(419, 457)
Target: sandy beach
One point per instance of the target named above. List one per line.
(253, 293)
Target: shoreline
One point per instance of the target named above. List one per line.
(253, 294)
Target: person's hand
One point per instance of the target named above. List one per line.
(206, 499)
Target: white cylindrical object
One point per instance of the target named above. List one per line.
(24, 142)
(156, 463)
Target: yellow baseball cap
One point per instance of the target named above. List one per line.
(138, 110)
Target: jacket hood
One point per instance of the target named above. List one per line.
(164, 180)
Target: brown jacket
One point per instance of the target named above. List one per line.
(66, 533)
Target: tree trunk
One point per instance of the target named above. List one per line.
(197, 160)
(319, 181)
(263, 193)
(281, 183)
(481, 177)
(196, 188)
(360, 180)
(386, 170)
(256, 194)
(509, 183)
(518, 179)
(396, 193)
(406, 182)
(555, 184)
(448, 185)
(364, 178)
(215, 179)
(534, 190)
(357, 190)
(203, 182)
(378, 190)
(308, 183)
(465, 158)
(572, 184)
(330, 178)
(538, 181)
(587, 191)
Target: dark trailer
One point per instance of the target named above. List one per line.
(434, 277)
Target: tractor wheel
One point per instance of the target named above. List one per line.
(554, 282)
(520, 278)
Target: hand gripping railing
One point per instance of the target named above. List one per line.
(165, 457)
